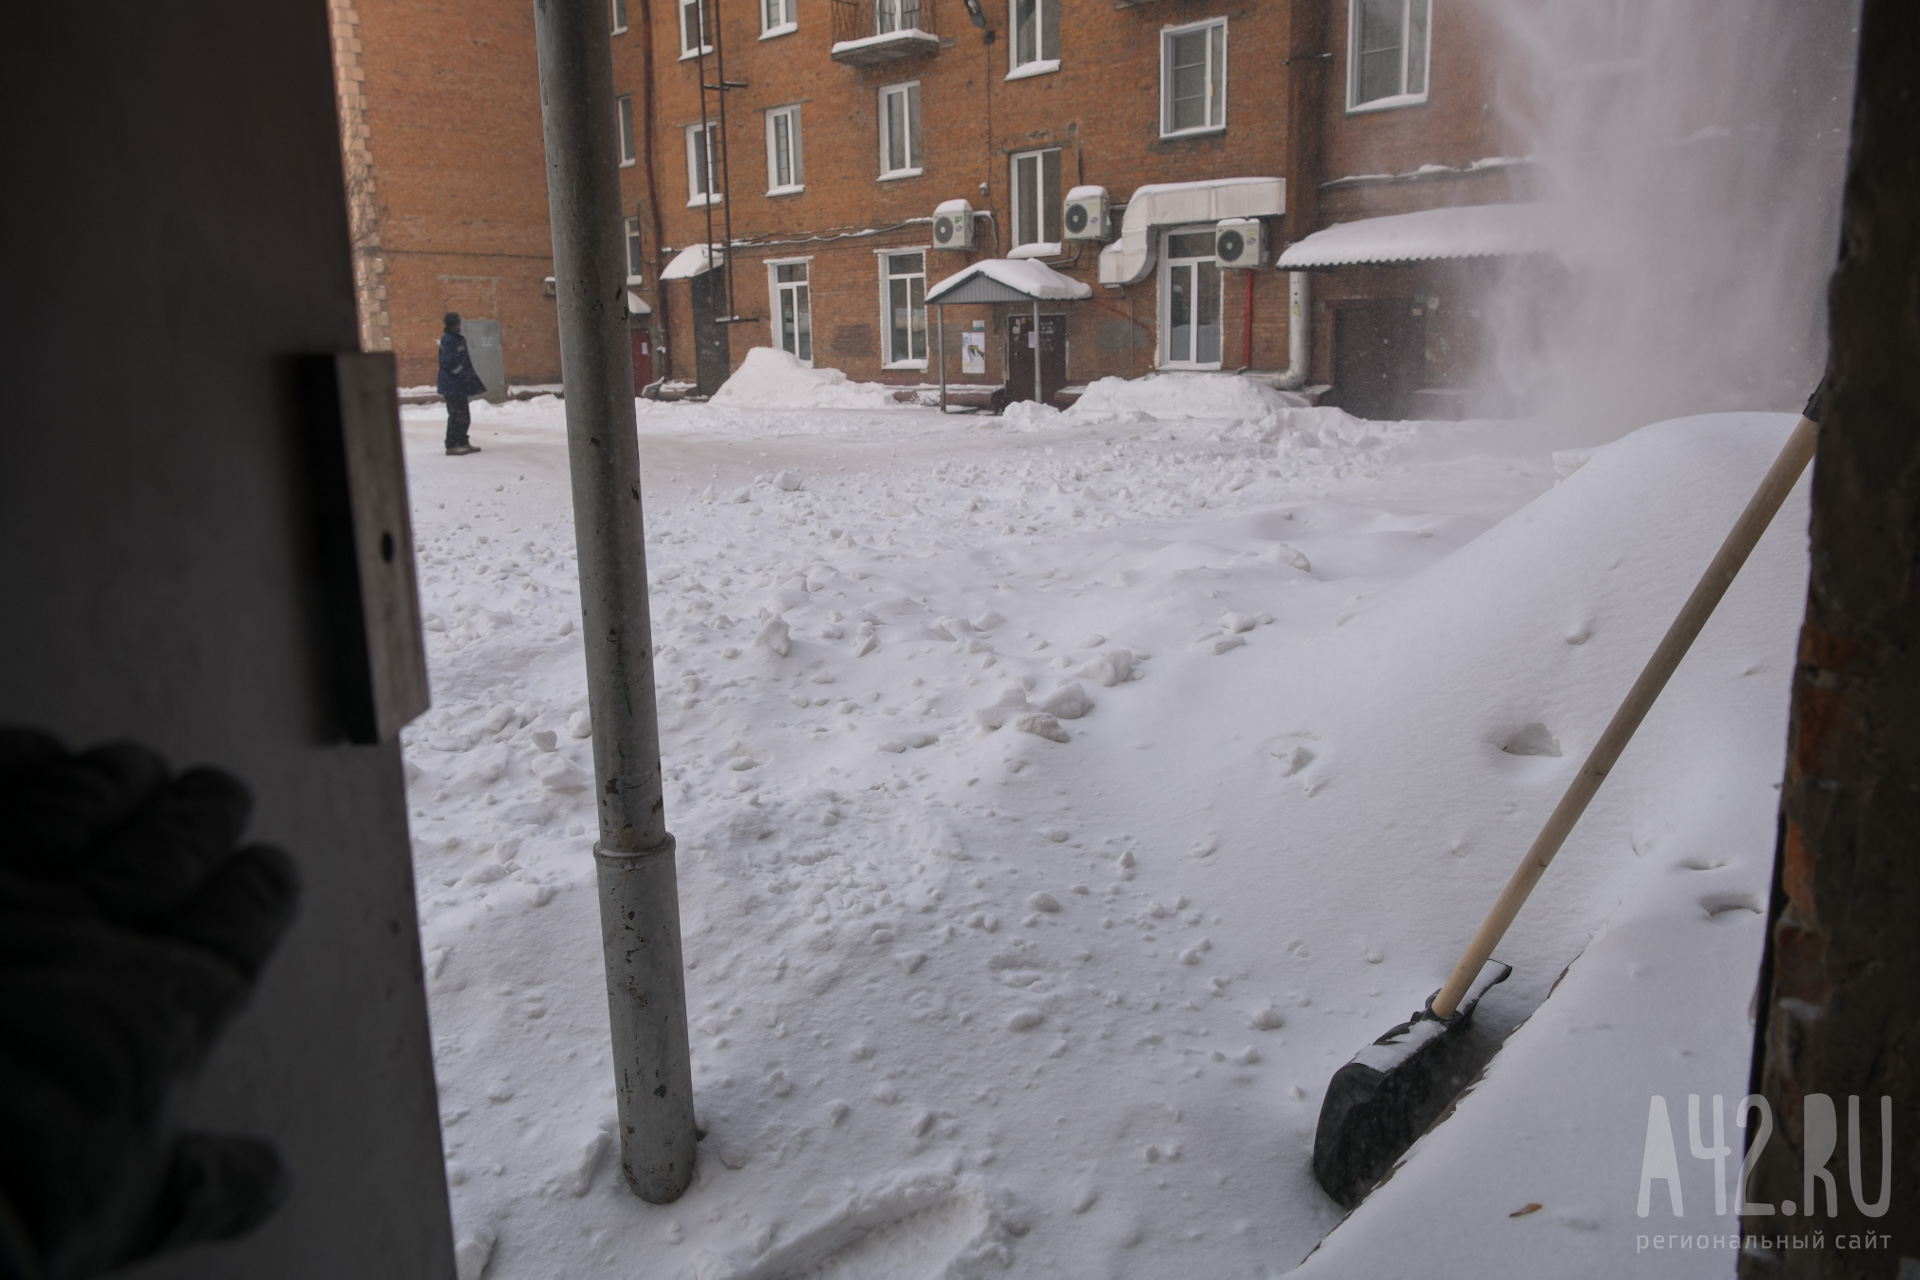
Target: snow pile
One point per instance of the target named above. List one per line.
(1024, 415)
(1181, 395)
(770, 378)
(1058, 809)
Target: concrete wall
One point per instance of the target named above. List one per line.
(156, 557)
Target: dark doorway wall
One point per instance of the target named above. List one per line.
(175, 230)
(712, 365)
(1379, 357)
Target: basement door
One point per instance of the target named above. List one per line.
(712, 364)
(1379, 357)
(1053, 357)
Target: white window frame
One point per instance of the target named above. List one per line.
(619, 17)
(1164, 342)
(1039, 245)
(1046, 17)
(1401, 99)
(697, 198)
(774, 287)
(1167, 35)
(909, 91)
(796, 160)
(883, 256)
(630, 228)
(706, 36)
(790, 19)
(623, 116)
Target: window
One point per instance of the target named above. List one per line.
(792, 311)
(693, 28)
(1036, 37)
(634, 259)
(1193, 78)
(619, 16)
(625, 103)
(777, 17)
(900, 130)
(1387, 58)
(895, 15)
(703, 165)
(784, 173)
(903, 308)
(1036, 199)
(1190, 300)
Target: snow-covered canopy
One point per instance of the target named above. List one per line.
(694, 260)
(1031, 281)
(1469, 231)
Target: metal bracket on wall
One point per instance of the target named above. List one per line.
(365, 541)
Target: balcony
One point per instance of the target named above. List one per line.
(867, 32)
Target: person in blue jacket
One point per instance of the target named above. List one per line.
(457, 382)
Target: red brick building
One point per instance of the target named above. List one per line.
(446, 180)
(846, 126)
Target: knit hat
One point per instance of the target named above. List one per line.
(451, 319)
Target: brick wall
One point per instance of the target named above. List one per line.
(1101, 108)
(452, 166)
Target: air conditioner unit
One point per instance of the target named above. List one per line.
(1087, 215)
(1236, 242)
(953, 225)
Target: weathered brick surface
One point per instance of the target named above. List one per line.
(1101, 108)
(451, 111)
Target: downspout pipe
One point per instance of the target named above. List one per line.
(634, 856)
(1299, 331)
(661, 326)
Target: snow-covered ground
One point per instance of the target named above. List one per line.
(1061, 799)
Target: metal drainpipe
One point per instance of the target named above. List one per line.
(1299, 318)
(639, 900)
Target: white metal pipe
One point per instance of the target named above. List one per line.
(1299, 331)
(639, 901)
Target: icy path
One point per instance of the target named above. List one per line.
(977, 982)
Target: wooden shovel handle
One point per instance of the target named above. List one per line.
(1713, 584)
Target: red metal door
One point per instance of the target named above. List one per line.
(642, 359)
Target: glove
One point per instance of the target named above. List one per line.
(131, 932)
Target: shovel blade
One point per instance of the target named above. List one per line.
(1392, 1090)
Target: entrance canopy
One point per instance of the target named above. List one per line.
(1007, 280)
(694, 260)
(1002, 280)
(1467, 231)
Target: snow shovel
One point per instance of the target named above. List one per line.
(1394, 1088)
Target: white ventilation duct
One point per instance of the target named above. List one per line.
(1173, 204)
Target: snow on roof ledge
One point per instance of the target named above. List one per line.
(1464, 231)
(694, 260)
(1030, 279)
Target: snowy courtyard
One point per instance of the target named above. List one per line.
(1062, 798)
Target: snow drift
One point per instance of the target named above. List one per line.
(770, 378)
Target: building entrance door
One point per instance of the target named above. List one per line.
(1053, 357)
(1379, 358)
(642, 341)
(711, 362)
